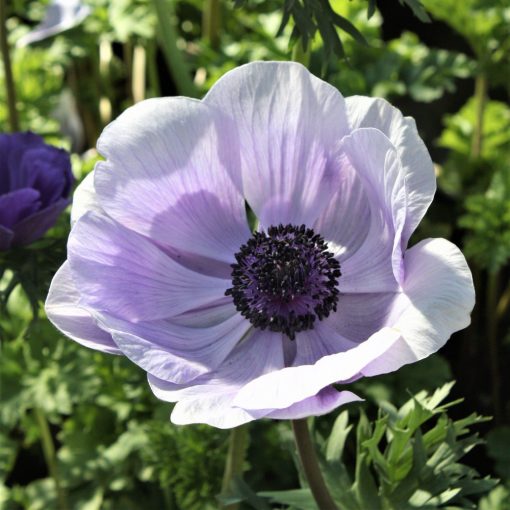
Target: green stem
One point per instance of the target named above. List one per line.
(211, 22)
(234, 466)
(50, 457)
(128, 64)
(492, 340)
(88, 114)
(8, 290)
(152, 69)
(481, 86)
(9, 80)
(310, 463)
(503, 303)
(299, 54)
(167, 35)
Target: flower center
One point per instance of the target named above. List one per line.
(284, 279)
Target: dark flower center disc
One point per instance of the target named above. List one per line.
(285, 279)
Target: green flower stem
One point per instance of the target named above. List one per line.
(491, 315)
(5, 293)
(50, 457)
(127, 52)
(481, 86)
(87, 109)
(299, 54)
(503, 303)
(492, 340)
(310, 463)
(152, 69)
(9, 81)
(211, 22)
(234, 466)
(167, 34)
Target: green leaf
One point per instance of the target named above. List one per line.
(365, 487)
(41, 495)
(498, 447)
(497, 499)
(338, 436)
(8, 452)
(301, 499)
(345, 25)
(130, 18)
(371, 8)
(417, 8)
(483, 23)
(240, 491)
(459, 129)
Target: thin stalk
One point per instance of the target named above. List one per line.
(105, 60)
(51, 458)
(481, 86)
(470, 337)
(299, 54)
(234, 466)
(127, 53)
(503, 303)
(77, 74)
(310, 463)
(492, 338)
(152, 69)
(167, 35)
(491, 316)
(9, 80)
(138, 75)
(211, 22)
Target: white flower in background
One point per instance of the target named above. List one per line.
(60, 16)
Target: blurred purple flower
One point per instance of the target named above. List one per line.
(35, 182)
(60, 16)
(233, 326)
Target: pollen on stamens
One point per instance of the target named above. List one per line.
(285, 279)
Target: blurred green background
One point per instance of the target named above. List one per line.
(89, 421)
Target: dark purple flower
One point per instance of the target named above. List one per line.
(35, 182)
(235, 324)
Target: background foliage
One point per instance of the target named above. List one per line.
(81, 430)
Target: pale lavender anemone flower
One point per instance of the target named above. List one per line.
(233, 325)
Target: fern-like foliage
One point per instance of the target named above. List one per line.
(309, 17)
(407, 458)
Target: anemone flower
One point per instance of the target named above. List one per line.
(35, 182)
(61, 15)
(250, 250)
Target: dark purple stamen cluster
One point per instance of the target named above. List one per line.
(284, 279)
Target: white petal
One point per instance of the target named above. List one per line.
(173, 352)
(280, 389)
(123, 273)
(288, 126)
(74, 321)
(416, 161)
(85, 199)
(208, 399)
(324, 402)
(440, 295)
(376, 265)
(167, 177)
